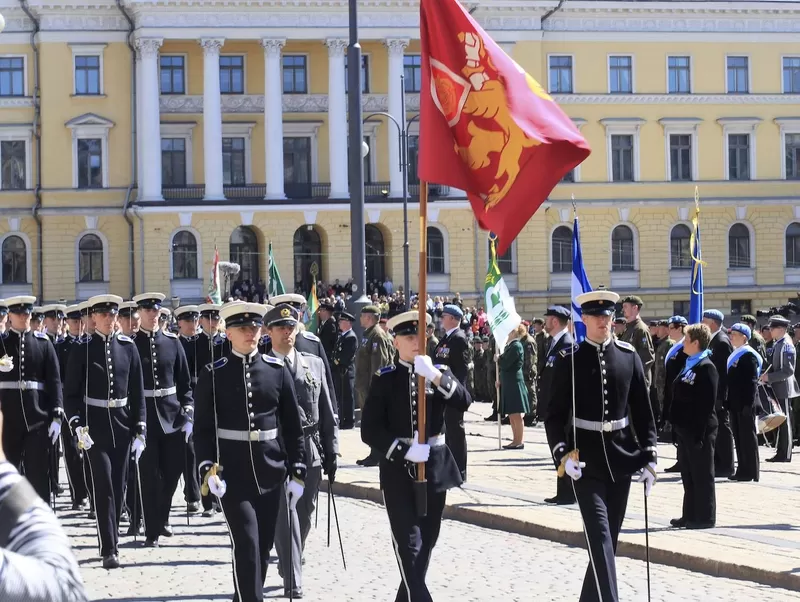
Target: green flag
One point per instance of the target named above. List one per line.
(310, 315)
(500, 309)
(275, 286)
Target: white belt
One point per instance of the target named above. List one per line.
(23, 385)
(160, 392)
(601, 427)
(106, 403)
(435, 441)
(232, 435)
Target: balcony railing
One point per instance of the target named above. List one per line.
(373, 191)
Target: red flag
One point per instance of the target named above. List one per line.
(486, 126)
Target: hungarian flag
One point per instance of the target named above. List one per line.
(214, 291)
(486, 126)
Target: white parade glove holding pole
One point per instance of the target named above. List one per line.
(573, 468)
(294, 490)
(54, 431)
(423, 365)
(84, 440)
(137, 447)
(418, 452)
(6, 363)
(217, 486)
(648, 477)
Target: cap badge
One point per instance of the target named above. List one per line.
(285, 312)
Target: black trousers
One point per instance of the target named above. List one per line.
(655, 404)
(251, 524)
(73, 461)
(107, 471)
(602, 504)
(344, 387)
(161, 466)
(697, 474)
(564, 489)
(723, 454)
(456, 438)
(783, 445)
(191, 478)
(413, 537)
(31, 449)
(744, 433)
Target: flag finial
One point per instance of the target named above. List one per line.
(697, 198)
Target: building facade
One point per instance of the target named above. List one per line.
(135, 138)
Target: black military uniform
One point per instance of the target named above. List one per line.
(721, 348)
(168, 391)
(344, 373)
(104, 392)
(610, 390)
(31, 398)
(328, 331)
(211, 345)
(249, 438)
(388, 423)
(743, 372)
(674, 360)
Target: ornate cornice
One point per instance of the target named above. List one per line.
(292, 103)
(211, 46)
(677, 99)
(729, 21)
(148, 47)
(23, 102)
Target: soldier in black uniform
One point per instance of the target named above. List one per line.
(389, 425)
(211, 345)
(3, 315)
(53, 321)
(244, 462)
(168, 392)
(30, 395)
(675, 361)
(328, 332)
(105, 401)
(344, 370)
(607, 416)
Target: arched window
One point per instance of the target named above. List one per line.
(622, 251)
(376, 254)
(307, 252)
(15, 261)
(561, 241)
(793, 245)
(184, 255)
(679, 250)
(436, 251)
(505, 262)
(739, 246)
(90, 259)
(244, 251)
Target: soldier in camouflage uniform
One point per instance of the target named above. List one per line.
(756, 341)
(529, 373)
(480, 359)
(660, 369)
(637, 334)
(542, 344)
(433, 342)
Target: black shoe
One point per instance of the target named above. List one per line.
(111, 561)
(209, 513)
(674, 468)
(370, 460)
(347, 426)
(530, 422)
(678, 522)
(295, 593)
(777, 459)
(559, 501)
(506, 420)
(124, 517)
(133, 530)
(166, 531)
(491, 418)
(79, 504)
(151, 542)
(700, 525)
(737, 477)
(92, 515)
(514, 446)
(59, 490)
(193, 507)
(723, 475)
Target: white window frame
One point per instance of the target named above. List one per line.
(371, 133)
(24, 133)
(558, 280)
(739, 125)
(184, 130)
(691, 73)
(24, 57)
(787, 56)
(244, 74)
(635, 233)
(88, 50)
(104, 241)
(623, 126)
(787, 125)
(28, 258)
(749, 71)
(678, 277)
(305, 129)
(440, 283)
(785, 230)
(681, 126)
(369, 73)
(198, 239)
(633, 72)
(308, 72)
(752, 232)
(576, 171)
(89, 126)
(574, 79)
(241, 129)
(185, 57)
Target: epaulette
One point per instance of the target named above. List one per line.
(569, 350)
(310, 336)
(266, 338)
(217, 364)
(124, 338)
(219, 340)
(386, 370)
(40, 335)
(441, 367)
(170, 335)
(625, 346)
(271, 359)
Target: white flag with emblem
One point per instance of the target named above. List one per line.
(500, 308)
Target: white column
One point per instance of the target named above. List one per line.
(139, 126)
(396, 51)
(337, 119)
(212, 120)
(150, 126)
(273, 118)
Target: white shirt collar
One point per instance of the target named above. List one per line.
(290, 358)
(557, 337)
(602, 345)
(451, 331)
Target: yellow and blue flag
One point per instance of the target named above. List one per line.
(696, 286)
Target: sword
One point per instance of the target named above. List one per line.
(139, 488)
(53, 486)
(336, 517)
(135, 517)
(647, 541)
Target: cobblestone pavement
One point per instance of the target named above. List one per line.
(470, 564)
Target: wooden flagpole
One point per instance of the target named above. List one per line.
(421, 484)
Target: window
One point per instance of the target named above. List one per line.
(412, 70)
(12, 76)
(679, 74)
(184, 255)
(295, 75)
(90, 259)
(792, 146)
(15, 260)
(569, 177)
(244, 251)
(791, 75)
(173, 74)
(680, 308)
(375, 254)
(364, 74)
(413, 158)
(436, 251)
(505, 262)
(620, 75)
(87, 75)
(233, 162)
(561, 241)
(738, 75)
(738, 156)
(307, 254)
(680, 156)
(13, 160)
(739, 246)
(793, 245)
(173, 162)
(90, 163)
(297, 166)
(740, 307)
(561, 75)
(622, 252)
(679, 250)
(231, 75)
(622, 158)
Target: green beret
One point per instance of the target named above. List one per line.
(371, 309)
(633, 300)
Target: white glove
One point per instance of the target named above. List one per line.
(6, 363)
(418, 452)
(294, 489)
(187, 429)
(217, 486)
(423, 365)
(137, 447)
(648, 477)
(54, 431)
(84, 440)
(573, 468)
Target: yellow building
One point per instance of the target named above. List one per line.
(136, 138)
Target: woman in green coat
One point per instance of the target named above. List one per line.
(513, 392)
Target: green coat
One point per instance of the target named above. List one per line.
(513, 391)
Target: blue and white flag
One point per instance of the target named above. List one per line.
(696, 286)
(580, 283)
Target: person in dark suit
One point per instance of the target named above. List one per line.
(744, 368)
(344, 370)
(455, 352)
(674, 360)
(781, 377)
(557, 326)
(721, 348)
(693, 417)
(327, 332)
